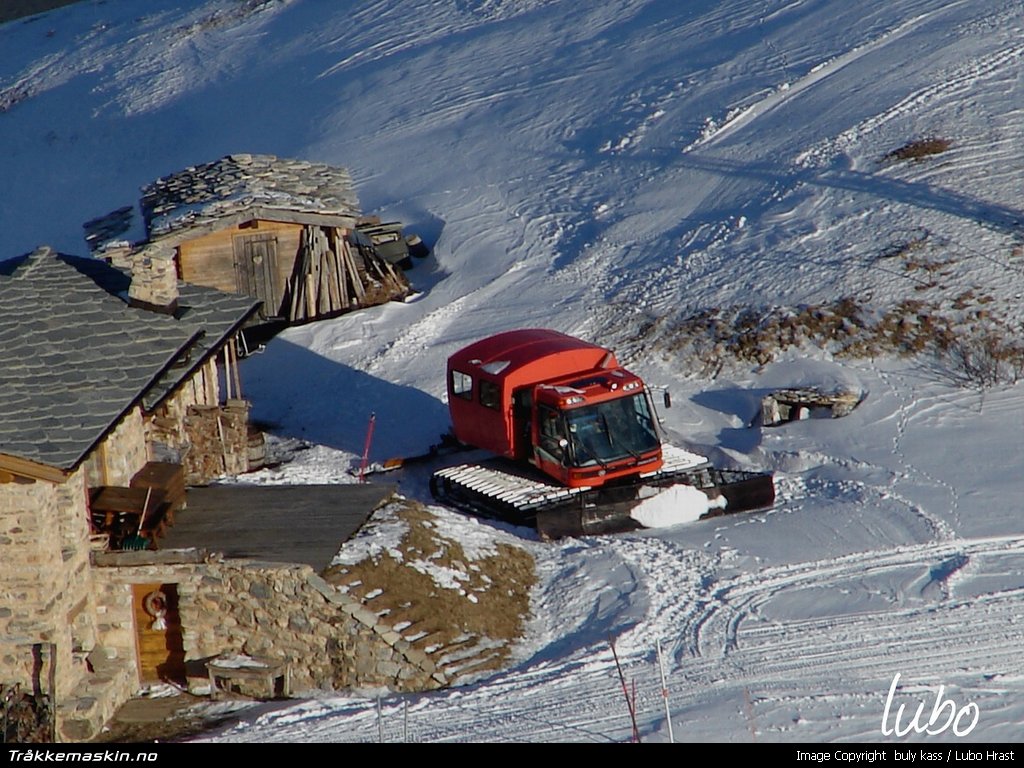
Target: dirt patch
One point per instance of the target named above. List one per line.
(971, 345)
(918, 149)
(463, 608)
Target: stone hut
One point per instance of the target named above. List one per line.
(282, 231)
(110, 401)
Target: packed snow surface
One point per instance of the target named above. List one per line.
(608, 170)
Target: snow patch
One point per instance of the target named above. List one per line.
(674, 505)
(383, 533)
(825, 376)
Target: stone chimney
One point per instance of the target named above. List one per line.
(154, 283)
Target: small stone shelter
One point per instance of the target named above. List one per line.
(107, 381)
(785, 405)
(282, 231)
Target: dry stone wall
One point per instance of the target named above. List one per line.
(124, 450)
(46, 586)
(274, 611)
(49, 618)
(166, 429)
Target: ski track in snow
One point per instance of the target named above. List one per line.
(698, 267)
(722, 634)
(812, 78)
(903, 390)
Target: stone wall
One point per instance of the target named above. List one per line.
(165, 427)
(276, 611)
(30, 567)
(190, 428)
(48, 611)
(45, 578)
(124, 449)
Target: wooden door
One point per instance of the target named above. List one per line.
(256, 270)
(161, 651)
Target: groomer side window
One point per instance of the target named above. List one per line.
(462, 385)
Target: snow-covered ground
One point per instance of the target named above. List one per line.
(607, 169)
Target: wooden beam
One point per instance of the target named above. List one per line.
(32, 469)
(358, 290)
(293, 299)
(337, 239)
(149, 557)
(227, 372)
(310, 295)
(233, 346)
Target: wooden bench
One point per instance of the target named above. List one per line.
(137, 515)
(237, 674)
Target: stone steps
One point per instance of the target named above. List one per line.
(95, 700)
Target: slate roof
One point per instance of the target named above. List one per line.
(75, 356)
(241, 187)
(218, 314)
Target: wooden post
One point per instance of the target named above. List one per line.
(211, 381)
(358, 290)
(51, 681)
(227, 373)
(333, 302)
(323, 304)
(234, 364)
(293, 299)
(310, 295)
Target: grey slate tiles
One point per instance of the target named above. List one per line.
(200, 195)
(75, 357)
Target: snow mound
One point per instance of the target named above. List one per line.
(824, 376)
(674, 505)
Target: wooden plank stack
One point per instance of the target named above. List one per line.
(333, 276)
(218, 441)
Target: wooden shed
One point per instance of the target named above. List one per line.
(282, 231)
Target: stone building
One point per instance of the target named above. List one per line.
(282, 231)
(103, 377)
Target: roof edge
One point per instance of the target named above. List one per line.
(35, 470)
(214, 350)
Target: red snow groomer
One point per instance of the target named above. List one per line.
(576, 439)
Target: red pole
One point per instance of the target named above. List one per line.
(636, 732)
(630, 703)
(366, 448)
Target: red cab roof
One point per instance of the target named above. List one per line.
(532, 354)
